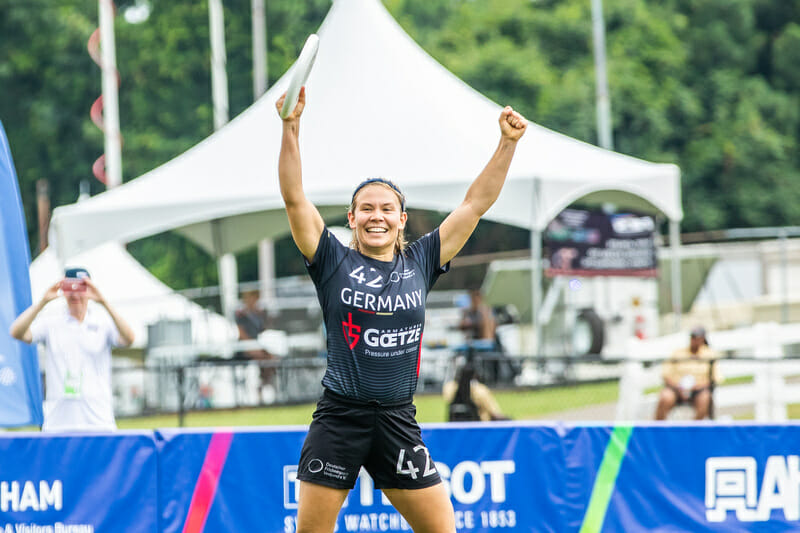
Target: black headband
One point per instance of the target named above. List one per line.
(385, 182)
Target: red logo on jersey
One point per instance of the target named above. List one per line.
(351, 331)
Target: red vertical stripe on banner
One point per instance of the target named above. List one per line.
(207, 482)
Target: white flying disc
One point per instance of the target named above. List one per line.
(302, 68)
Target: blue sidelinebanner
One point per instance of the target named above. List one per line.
(20, 382)
(506, 477)
(79, 483)
(501, 477)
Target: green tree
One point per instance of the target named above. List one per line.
(712, 85)
(48, 84)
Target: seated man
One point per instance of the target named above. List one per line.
(469, 399)
(688, 377)
(252, 319)
(482, 342)
(477, 321)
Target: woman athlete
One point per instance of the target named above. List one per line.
(373, 303)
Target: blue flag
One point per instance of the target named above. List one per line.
(20, 381)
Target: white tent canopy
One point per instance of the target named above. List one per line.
(138, 296)
(378, 105)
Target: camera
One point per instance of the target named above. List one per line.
(73, 285)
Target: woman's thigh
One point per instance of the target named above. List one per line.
(318, 507)
(427, 510)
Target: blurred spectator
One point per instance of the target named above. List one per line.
(477, 320)
(483, 346)
(469, 399)
(689, 377)
(252, 319)
(77, 343)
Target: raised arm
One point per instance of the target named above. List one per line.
(126, 335)
(21, 327)
(459, 225)
(305, 221)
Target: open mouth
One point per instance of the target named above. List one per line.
(377, 230)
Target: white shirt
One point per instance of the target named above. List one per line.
(77, 369)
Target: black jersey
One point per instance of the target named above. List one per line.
(374, 314)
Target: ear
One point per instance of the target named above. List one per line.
(403, 219)
(351, 220)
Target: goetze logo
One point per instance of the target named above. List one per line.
(392, 338)
(731, 485)
(351, 331)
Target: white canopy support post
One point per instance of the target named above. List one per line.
(113, 141)
(536, 272)
(226, 271)
(266, 269)
(675, 271)
(228, 285)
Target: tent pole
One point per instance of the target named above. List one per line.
(536, 289)
(266, 269)
(226, 272)
(536, 272)
(675, 267)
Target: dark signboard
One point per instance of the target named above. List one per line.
(581, 242)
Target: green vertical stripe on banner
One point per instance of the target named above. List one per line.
(606, 479)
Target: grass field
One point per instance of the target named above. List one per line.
(518, 404)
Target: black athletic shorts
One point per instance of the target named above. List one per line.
(386, 440)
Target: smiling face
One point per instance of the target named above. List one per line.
(377, 221)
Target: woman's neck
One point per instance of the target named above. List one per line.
(384, 255)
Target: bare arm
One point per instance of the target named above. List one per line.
(305, 222)
(488, 325)
(125, 332)
(459, 225)
(21, 327)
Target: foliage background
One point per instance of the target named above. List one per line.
(711, 85)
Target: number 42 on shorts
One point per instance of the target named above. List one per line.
(412, 470)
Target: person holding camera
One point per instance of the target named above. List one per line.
(470, 400)
(77, 343)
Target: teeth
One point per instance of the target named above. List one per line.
(376, 230)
